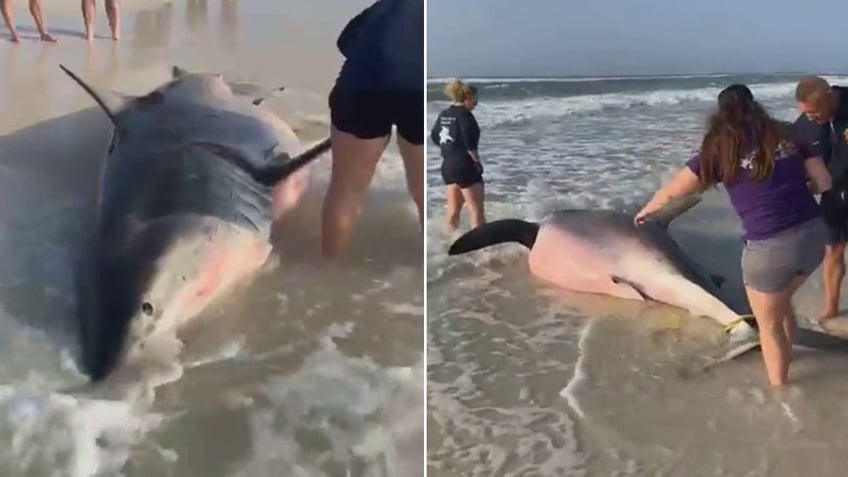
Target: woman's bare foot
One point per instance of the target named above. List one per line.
(14, 39)
(48, 38)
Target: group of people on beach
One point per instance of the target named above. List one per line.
(771, 170)
(88, 14)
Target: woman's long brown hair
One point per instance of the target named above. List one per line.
(738, 120)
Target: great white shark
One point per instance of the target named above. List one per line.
(193, 179)
(604, 252)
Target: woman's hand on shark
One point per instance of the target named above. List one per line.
(641, 217)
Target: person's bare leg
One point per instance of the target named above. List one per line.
(474, 198)
(35, 10)
(790, 323)
(9, 18)
(88, 14)
(113, 13)
(770, 310)
(413, 163)
(832, 274)
(455, 202)
(353, 164)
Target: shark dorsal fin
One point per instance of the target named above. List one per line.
(675, 208)
(178, 72)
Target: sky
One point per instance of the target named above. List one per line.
(529, 38)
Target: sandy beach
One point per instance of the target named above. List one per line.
(309, 371)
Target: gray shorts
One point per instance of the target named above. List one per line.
(769, 265)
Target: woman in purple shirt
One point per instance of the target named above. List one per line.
(771, 181)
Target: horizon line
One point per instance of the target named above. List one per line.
(648, 75)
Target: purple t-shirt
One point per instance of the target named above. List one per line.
(776, 203)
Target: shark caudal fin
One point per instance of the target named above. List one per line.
(493, 233)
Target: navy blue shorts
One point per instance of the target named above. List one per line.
(463, 172)
(371, 114)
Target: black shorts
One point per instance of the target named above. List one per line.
(371, 114)
(462, 172)
(835, 213)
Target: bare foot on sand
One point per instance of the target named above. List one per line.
(14, 38)
(48, 38)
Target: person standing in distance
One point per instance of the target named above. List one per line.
(457, 134)
(823, 124)
(35, 10)
(113, 14)
(381, 84)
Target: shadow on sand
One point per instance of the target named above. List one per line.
(48, 175)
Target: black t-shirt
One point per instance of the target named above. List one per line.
(456, 132)
(830, 140)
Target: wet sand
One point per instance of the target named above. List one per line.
(307, 371)
(528, 380)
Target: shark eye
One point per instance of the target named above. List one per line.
(147, 308)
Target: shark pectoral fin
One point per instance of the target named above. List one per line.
(110, 102)
(284, 165)
(279, 168)
(718, 280)
(675, 208)
(627, 289)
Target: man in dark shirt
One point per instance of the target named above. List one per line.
(823, 124)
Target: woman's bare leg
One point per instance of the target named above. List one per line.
(354, 162)
(413, 163)
(454, 207)
(113, 13)
(35, 10)
(88, 14)
(771, 311)
(474, 196)
(9, 18)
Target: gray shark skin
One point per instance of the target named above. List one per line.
(185, 209)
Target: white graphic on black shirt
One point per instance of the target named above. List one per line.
(444, 136)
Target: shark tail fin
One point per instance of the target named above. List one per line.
(492, 233)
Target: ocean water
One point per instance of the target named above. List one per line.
(528, 380)
(308, 371)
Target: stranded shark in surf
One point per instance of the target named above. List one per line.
(193, 179)
(603, 252)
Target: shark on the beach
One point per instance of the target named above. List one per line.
(603, 252)
(192, 181)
